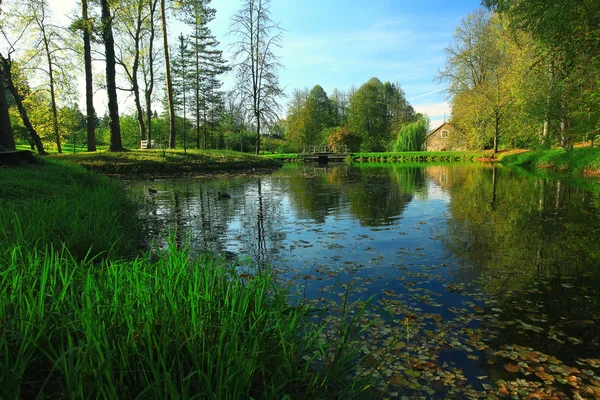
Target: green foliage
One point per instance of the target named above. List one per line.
(376, 109)
(411, 136)
(309, 121)
(343, 137)
(420, 156)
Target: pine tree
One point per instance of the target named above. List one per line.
(208, 65)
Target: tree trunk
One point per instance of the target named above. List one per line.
(89, 88)
(7, 138)
(6, 69)
(150, 84)
(52, 91)
(197, 91)
(111, 86)
(257, 134)
(134, 76)
(163, 16)
(496, 131)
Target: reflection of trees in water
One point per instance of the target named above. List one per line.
(261, 221)
(188, 209)
(315, 192)
(375, 195)
(534, 243)
(380, 194)
(533, 225)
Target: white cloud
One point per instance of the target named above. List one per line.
(434, 110)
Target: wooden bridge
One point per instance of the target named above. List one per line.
(325, 154)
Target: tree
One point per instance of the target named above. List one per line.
(111, 85)
(257, 65)
(367, 116)
(343, 137)
(89, 88)
(148, 68)
(412, 136)
(208, 64)
(7, 139)
(478, 68)
(310, 119)
(182, 75)
(171, 105)
(133, 18)
(339, 104)
(566, 37)
(7, 69)
(31, 21)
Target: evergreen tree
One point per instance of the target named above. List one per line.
(208, 64)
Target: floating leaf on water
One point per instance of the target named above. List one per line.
(398, 380)
(545, 376)
(512, 368)
(412, 373)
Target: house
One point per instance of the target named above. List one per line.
(444, 137)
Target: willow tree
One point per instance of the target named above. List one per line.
(256, 64)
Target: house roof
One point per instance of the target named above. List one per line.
(438, 128)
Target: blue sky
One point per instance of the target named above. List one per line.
(340, 43)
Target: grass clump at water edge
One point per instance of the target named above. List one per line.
(52, 203)
(166, 327)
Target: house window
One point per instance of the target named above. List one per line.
(445, 134)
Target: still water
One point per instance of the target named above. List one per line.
(481, 281)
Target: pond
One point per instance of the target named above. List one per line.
(481, 281)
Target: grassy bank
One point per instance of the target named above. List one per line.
(52, 203)
(415, 156)
(168, 328)
(81, 323)
(578, 162)
(159, 162)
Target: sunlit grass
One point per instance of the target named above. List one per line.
(579, 161)
(412, 156)
(166, 161)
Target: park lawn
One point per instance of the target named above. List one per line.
(165, 162)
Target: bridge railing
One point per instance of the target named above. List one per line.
(327, 149)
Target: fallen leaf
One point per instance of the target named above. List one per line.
(544, 376)
(512, 368)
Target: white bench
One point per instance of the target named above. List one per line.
(144, 144)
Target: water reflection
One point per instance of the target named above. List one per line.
(476, 257)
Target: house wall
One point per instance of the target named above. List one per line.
(436, 141)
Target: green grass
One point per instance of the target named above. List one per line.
(162, 162)
(54, 203)
(169, 327)
(421, 156)
(80, 319)
(413, 156)
(579, 161)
